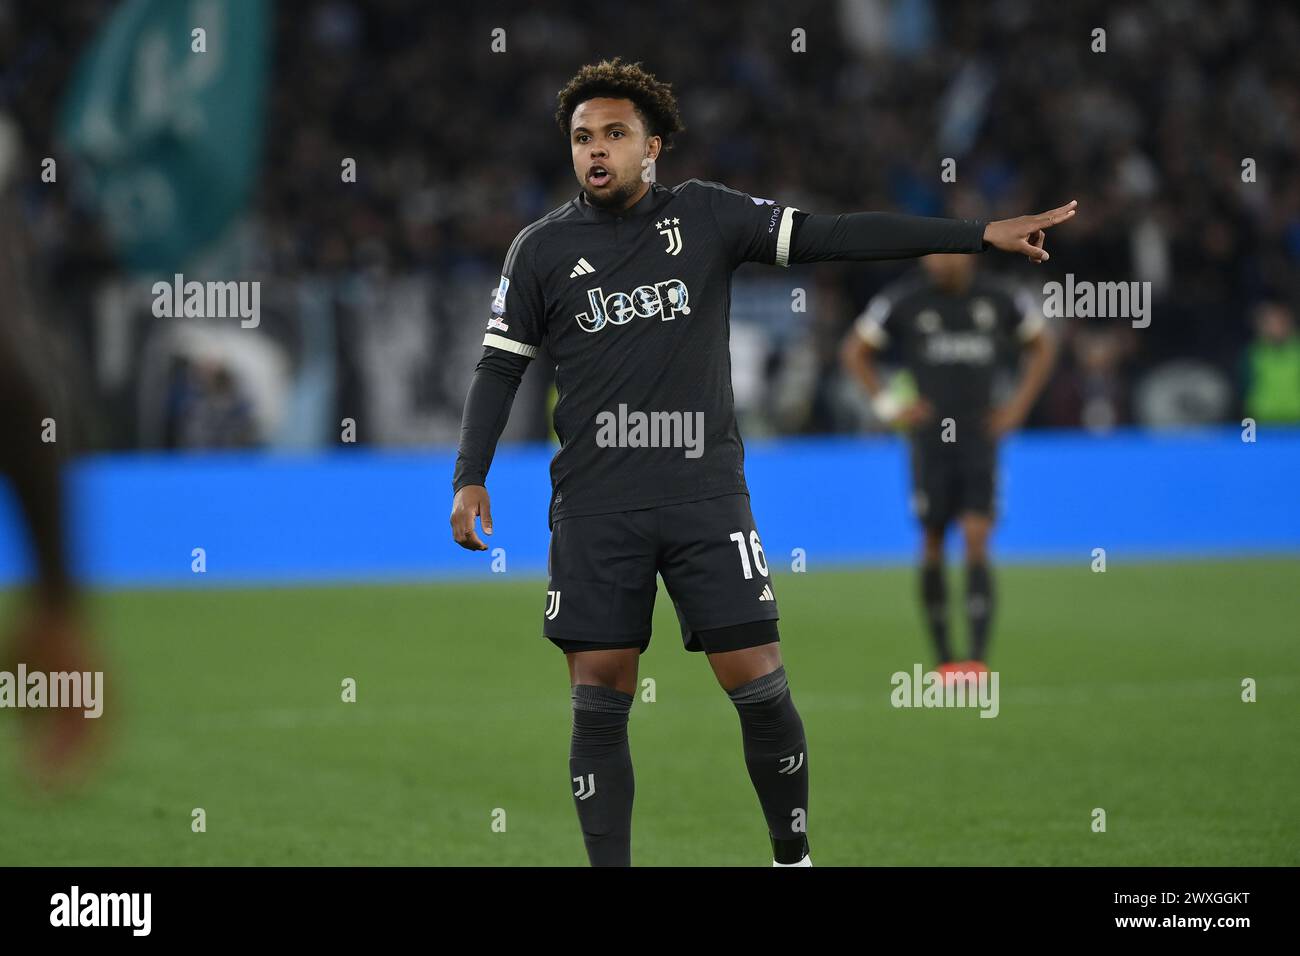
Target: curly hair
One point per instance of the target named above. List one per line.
(654, 100)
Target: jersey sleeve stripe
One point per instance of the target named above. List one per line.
(564, 212)
(501, 342)
(783, 236)
(718, 186)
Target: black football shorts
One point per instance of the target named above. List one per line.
(947, 484)
(602, 576)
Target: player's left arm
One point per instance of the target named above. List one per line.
(1038, 348)
(860, 236)
(763, 230)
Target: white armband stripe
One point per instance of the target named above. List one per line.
(783, 236)
(501, 342)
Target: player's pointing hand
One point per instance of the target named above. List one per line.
(1025, 234)
(470, 502)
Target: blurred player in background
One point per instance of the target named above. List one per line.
(50, 634)
(628, 286)
(949, 328)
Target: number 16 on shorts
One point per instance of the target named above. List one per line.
(760, 561)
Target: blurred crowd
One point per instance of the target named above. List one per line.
(1180, 138)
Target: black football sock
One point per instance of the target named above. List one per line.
(979, 607)
(934, 599)
(600, 768)
(776, 756)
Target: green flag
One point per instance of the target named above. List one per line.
(164, 114)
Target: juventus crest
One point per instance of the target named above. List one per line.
(671, 230)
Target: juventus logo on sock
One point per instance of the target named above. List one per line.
(790, 766)
(586, 786)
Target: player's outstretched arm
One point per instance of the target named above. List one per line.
(868, 236)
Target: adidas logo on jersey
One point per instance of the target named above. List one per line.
(583, 268)
(767, 594)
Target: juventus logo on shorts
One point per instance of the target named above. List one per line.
(552, 605)
(790, 765)
(669, 228)
(586, 786)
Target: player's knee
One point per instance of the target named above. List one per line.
(976, 533)
(761, 689)
(615, 669)
(600, 717)
(766, 708)
(740, 665)
(932, 545)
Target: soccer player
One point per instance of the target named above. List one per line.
(50, 633)
(628, 285)
(950, 328)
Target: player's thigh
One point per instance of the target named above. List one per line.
(734, 668)
(716, 571)
(976, 501)
(932, 540)
(602, 581)
(975, 534)
(935, 487)
(975, 528)
(615, 668)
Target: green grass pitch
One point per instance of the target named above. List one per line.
(1119, 690)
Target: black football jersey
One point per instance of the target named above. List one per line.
(634, 309)
(953, 344)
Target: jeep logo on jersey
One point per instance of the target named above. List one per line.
(959, 348)
(664, 299)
